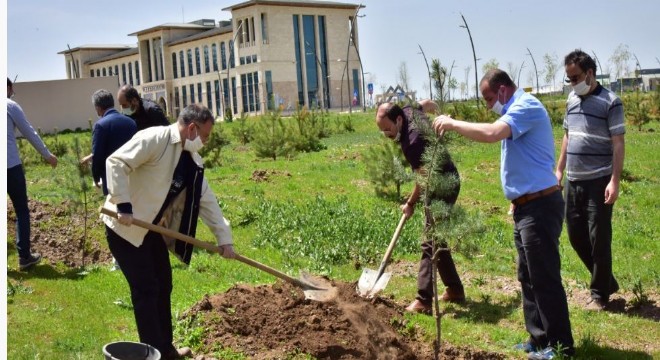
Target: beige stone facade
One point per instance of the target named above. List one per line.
(291, 52)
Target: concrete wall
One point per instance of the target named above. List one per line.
(62, 104)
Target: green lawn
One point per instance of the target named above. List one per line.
(60, 313)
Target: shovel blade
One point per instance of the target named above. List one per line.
(370, 284)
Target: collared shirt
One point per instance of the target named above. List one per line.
(528, 156)
(590, 123)
(16, 120)
(110, 132)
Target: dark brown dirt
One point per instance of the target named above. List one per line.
(265, 175)
(58, 235)
(276, 322)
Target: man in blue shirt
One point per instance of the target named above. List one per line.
(16, 186)
(528, 180)
(110, 132)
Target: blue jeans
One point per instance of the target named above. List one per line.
(17, 191)
(536, 233)
(589, 228)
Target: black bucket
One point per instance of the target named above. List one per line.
(127, 350)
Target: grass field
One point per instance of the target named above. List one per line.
(54, 312)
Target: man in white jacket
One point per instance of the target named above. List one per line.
(158, 176)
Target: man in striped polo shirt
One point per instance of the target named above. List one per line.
(592, 153)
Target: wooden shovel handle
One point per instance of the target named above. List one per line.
(207, 246)
(390, 248)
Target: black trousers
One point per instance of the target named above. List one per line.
(149, 274)
(589, 228)
(444, 264)
(537, 226)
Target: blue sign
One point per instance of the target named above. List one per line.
(355, 93)
(370, 88)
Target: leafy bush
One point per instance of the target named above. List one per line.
(638, 110)
(386, 168)
(270, 137)
(215, 143)
(243, 132)
(305, 134)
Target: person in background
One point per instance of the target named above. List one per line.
(146, 113)
(16, 184)
(395, 123)
(110, 132)
(592, 153)
(529, 182)
(158, 177)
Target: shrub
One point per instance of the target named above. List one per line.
(243, 132)
(386, 168)
(212, 148)
(270, 137)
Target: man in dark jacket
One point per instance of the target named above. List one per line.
(146, 113)
(110, 132)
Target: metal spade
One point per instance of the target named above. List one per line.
(372, 282)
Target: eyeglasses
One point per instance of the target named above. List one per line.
(574, 79)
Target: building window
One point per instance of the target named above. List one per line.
(231, 54)
(198, 62)
(98, 72)
(130, 73)
(264, 28)
(296, 42)
(270, 100)
(190, 62)
(91, 73)
(177, 102)
(174, 72)
(223, 55)
(233, 92)
(254, 58)
(123, 73)
(356, 88)
(257, 99)
(104, 73)
(184, 96)
(217, 96)
(207, 67)
(137, 72)
(110, 70)
(323, 46)
(209, 96)
(244, 92)
(311, 63)
(116, 71)
(182, 65)
(214, 52)
(199, 93)
(192, 93)
(225, 94)
(240, 35)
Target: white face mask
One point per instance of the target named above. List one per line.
(193, 145)
(127, 111)
(581, 88)
(498, 107)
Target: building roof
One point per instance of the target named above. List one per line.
(166, 26)
(299, 3)
(202, 35)
(649, 72)
(96, 47)
(128, 52)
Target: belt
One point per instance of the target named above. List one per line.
(535, 195)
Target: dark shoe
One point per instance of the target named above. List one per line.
(26, 263)
(453, 296)
(545, 354)
(596, 305)
(180, 353)
(526, 346)
(418, 307)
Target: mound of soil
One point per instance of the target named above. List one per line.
(58, 234)
(265, 175)
(276, 322)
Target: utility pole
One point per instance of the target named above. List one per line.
(639, 74)
(449, 79)
(474, 55)
(428, 71)
(230, 60)
(535, 70)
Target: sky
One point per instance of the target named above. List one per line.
(390, 33)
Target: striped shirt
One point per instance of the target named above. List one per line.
(590, 123)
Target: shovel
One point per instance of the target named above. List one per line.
(313, 291)
(371, 282)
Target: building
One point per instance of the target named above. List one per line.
(282, 53)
